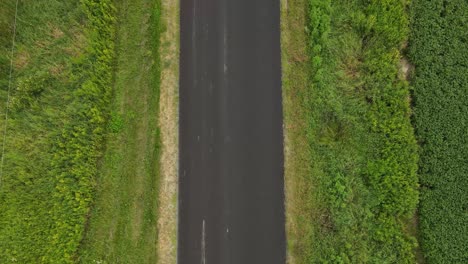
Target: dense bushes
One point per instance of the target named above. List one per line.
(438, 49)
(61, 92)
(391, 172)
(364, 156)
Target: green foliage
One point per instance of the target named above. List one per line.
(28, 90)
(59, 110)
(438, 49)
(116, 123)
(362, 171)
(391, 173)
(79, 146)
(122, 225)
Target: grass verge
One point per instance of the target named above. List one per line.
(122, 227)
(351, 185)
(295, 71)
(168, 122)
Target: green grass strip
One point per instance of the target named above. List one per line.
(122, 226)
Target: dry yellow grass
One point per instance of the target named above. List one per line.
(294, 75)
(168, 122)
(21, 60)
(55, 31)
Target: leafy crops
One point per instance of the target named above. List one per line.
(439, 50)
(59, 108)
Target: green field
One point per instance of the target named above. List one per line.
(375, 96)
(439, 50)
(80, 181)
(60, 95)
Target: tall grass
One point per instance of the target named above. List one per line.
(354, 187)
(60, 96)
(123, 222)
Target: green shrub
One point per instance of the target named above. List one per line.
(364, 154)
(28, 90)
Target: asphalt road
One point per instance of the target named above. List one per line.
(231, 198)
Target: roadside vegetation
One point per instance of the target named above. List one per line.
(439, 51)
(123, 224)
(168, 123)
(83, 147)
(58, 109)
(351, 155)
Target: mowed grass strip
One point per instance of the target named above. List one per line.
(297, 154)
(351, 185)
(122, 226)
(168, 122)
(439, 51)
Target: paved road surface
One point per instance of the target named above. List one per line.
(231, 201)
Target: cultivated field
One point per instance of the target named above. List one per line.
(439, 51)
